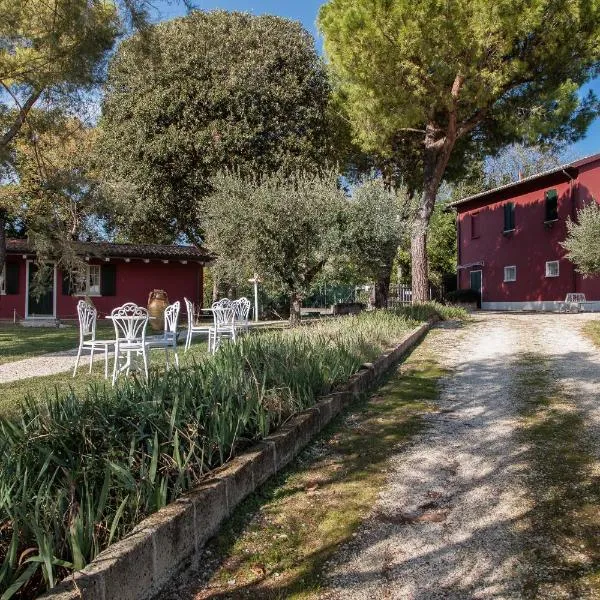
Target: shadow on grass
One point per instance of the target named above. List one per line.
(276, 543)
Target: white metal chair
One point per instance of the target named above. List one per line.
(88, 316)
(223, 324)
(130, 321)
(193, 326)
(574, 302)
(168, 340)
(241, 308)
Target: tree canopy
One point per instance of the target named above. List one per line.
(583, 240)
(221, 90)
(459, 74)
(282, 227)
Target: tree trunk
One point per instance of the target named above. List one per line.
(382, 285)
(2, 239)
(295, 306)
(436, 155)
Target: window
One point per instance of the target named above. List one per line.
(509, 216)
(551, 202)
(87, 281)
(9, 278)
(475, 225)
(3, 280)
(552, 268)
(510, 273)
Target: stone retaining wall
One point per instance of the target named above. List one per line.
(137, 566)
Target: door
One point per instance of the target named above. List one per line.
(477, 284)
(40, 302)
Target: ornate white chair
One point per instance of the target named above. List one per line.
(168, 340)
(88, 315)
(241, 309)
(193, 326)
(130, 321)
(223, 324)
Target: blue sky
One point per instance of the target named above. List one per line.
(306, 12)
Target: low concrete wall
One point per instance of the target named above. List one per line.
(137, 566)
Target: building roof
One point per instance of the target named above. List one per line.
(572, 166)
(109, 250)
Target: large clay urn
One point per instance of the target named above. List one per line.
(157, 302)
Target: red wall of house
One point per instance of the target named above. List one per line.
(528, 247)
(134, 281)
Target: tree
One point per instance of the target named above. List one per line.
(220, 91)
(282, 227)
(583, 240)
(460, 74)
(50, 50)
(375, 220)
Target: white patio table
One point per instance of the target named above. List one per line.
(129, 362)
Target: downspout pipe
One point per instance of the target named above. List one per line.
(572, 203)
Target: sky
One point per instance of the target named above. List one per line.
(305, 11)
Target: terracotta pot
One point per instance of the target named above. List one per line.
(157, 302)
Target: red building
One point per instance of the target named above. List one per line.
(114, 274)
(509, 239)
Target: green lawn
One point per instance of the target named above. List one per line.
(17, 342)
(592, 330)
(11, 393)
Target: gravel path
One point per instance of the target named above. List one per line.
(47, 364)
(450, 523)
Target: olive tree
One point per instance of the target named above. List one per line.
(583, 240)
(284, 228)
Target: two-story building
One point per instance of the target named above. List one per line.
(509, 239)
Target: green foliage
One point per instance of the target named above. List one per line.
(426, 311)
(583, 240)
(285, 228)
(79, 472)
(221, 90)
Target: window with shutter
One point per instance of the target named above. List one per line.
(509, 216)
(475, 225)
(11, 278)
(108, 280)
(551, 205)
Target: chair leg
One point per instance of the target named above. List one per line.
(188, 339)
(77, 359)
(91, 358)
(114, 377)
(167, 357)
(106, 361)
(176, 357)
(145, 363)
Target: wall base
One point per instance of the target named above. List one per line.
(539, 305)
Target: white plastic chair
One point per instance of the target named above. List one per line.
(223, 324)
(130, 321)
(193, 327)
(168, 340)
(88, 315)
(241, 309)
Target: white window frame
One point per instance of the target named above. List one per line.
(506, 278)
(3, 280)
(552, 262)
(88, 290)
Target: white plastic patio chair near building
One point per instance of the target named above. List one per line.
(130, 322)
(193, 326)
(223, 324)
(241, 309)
(88, 317)
(168, 340)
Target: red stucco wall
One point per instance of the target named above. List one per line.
(134, 281)
(530, 245)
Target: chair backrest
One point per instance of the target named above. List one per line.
(130, 322)
(243, 309)
(189, 306)
(172, 317)
(87, 319)
(223, 313)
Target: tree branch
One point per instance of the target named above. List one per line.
(20, 119)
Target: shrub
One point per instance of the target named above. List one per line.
(431, 310)
(77, 473)
(463, 296)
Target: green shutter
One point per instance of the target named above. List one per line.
(551, 197)
(108, 280)
(12, 278)
(67, 284)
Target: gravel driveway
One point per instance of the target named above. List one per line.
(452, 521)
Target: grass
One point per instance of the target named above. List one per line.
(17, 342)
(564, 481)
(592, 330)
(277, 543)
(80, 469)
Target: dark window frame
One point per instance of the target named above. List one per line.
(509, 217)
(550, 206)
(475, 233)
